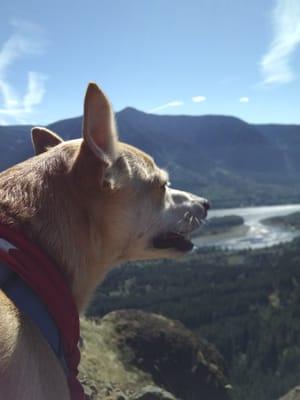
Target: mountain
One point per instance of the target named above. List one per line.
(221, 157)
(287, 139)
(15, 145)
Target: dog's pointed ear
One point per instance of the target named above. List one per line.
(99, 127)
(43, 139)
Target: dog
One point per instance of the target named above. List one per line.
(89, 204)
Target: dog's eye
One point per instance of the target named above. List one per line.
(166, 184)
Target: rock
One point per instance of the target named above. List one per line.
(81, 342)
(175, 358)
(117, 396)
(104, 391)
(293, 394)
(152, 393)
(90, 389)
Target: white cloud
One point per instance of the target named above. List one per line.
(171, 104)
(25, 40)
(244, 99)
(198, 99)
(275, 64)
(9, 96)
(35, 91)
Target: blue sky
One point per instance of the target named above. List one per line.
(232, 57)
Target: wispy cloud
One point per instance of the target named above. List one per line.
(198, 99)
(25, 40)
(244, 99)
(275, 64)
(171, 104)
(36, 90)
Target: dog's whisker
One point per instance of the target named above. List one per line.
(194, 223)
(187, 215)
(197, 220)
(180, 221)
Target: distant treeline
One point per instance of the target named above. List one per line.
(217, 225)
(291, 220)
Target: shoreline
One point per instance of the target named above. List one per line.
(254, 233)
(231, 233)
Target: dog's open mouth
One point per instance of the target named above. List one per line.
(172, 240)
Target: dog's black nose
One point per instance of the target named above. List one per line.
(206, 205)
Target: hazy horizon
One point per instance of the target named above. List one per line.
(157, 115)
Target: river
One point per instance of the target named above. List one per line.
(253, 234)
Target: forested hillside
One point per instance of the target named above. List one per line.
(224, 158)
(246, 303)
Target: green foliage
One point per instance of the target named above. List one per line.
(246, 303)
(291, 220)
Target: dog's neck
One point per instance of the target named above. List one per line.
(52, 215)
(69, 236)
(77, 253)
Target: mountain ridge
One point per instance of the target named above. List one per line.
(223, 157)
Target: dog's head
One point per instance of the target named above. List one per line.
(127, 198)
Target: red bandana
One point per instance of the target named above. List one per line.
(44, 278)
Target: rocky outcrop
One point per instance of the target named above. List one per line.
(138, 349)
(293, 394)
(153, 393)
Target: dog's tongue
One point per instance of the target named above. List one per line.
(172, 240)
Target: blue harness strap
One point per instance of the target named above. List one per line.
(26, 300)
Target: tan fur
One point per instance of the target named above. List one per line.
(89, 204)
